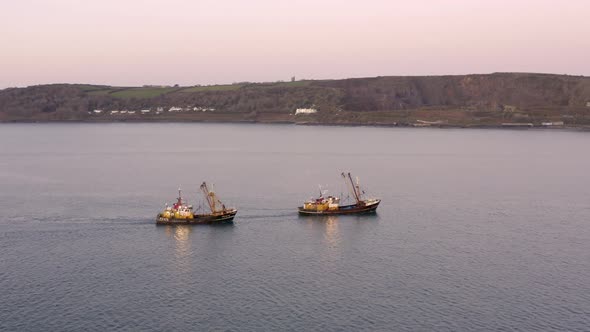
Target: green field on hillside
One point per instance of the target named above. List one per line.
(89, 87)
(127, 93)
(151, 92)
(225, 87)
(292, 84)
(148, 92)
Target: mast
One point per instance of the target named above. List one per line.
(179, 199)
(352, 187)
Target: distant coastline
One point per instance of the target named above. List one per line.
(500, 100)
(376, 125)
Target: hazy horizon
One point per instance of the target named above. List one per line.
(288, 79)
(210, 42)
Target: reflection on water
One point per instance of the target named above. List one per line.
(182, 250)
(331, 231)
(328, 226)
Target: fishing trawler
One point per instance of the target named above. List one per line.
(182, 214)
(331, 205)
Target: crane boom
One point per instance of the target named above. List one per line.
(212, 200)
(209, 195)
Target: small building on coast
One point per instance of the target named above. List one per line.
(305, 111)
(552, 124)
(517, 124)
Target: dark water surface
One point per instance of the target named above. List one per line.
(478, 229)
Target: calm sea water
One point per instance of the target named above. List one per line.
(478, 229)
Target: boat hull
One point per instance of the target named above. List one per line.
(199, 219)
(347, 209)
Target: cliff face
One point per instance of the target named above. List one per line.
(456, 100)
(480, 91)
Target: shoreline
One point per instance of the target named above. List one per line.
(326, 124)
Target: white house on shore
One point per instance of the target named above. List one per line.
(175, 109)
(550, 124)
(97, 111)
(145, 111)
(305, 111)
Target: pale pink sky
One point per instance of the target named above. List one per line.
(187, 42)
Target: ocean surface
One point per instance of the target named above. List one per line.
(478, 230)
